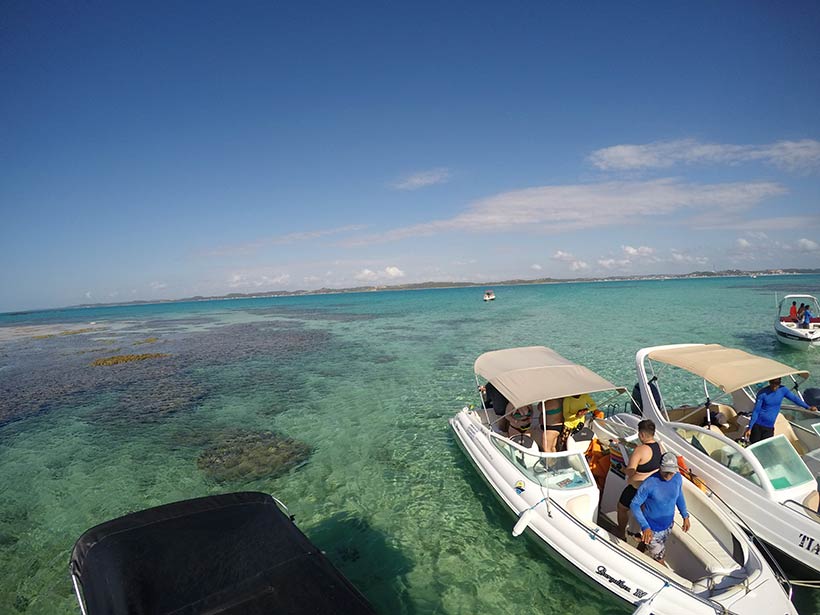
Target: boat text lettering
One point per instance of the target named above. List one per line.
(809, 544)
(619, 582)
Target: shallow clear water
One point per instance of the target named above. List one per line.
(368, 382)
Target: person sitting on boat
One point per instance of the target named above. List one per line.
(519, 423)
(654, 506)
(793, 311)
(807, 316)
(575, 409)
(767, 407)
(493, 398)
(800, 311)
(643, 463)
(550, 424)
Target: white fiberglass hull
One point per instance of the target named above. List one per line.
(797, 338)
(611, 563)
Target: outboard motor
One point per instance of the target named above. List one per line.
(812, 397)
(636, 406)
(636, 401)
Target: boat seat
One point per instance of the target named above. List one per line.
(721, 455)
(782, 425)
(812, 501)
(705, 547)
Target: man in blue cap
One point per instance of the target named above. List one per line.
(654, 506)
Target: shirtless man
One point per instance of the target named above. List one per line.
(643, 462)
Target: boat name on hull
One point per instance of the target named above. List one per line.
(809, 544)
(639, 593)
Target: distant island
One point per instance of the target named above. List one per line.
(728, 273)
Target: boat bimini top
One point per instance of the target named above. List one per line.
(535, 373)
(728, 369)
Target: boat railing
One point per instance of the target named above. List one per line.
(530, 452)
(802, 508)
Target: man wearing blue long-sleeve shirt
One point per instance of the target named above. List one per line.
(654, 506)
(767, 407)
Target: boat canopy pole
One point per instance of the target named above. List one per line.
(483, 403)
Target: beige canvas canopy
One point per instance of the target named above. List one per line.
(729, 369)
(535, 373)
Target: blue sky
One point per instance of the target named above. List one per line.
(165, 150)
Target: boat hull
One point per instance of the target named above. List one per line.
(593, 552)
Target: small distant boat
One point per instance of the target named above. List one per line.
(489, 295)
(791, 332)
(220, 554)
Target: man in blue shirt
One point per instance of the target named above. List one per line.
(807, 316)
(654, 506)
(767, 407)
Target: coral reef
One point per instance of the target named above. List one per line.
(127, 358)
(252, 455)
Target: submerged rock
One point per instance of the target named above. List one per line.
(252, 455)
(127, 358)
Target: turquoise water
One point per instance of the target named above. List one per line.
(367, 382)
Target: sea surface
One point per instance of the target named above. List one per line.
(356, 389)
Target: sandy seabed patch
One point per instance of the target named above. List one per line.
(17, 332)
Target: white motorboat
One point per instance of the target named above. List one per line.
(489, 295)
(793, 333)
(714, 568)
(772, 484)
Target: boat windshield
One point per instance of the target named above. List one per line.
(608, 429)
(781, 462)
(728, 455)
(567, 471)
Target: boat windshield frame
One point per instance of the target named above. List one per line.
(784, 302)
(569, 469)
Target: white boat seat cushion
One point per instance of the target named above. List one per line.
(703, 546)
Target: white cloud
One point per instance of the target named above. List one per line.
(789, 155)
(807, 245)
(536, 267)
(388, 273)
(641, 251)
(158, 285)
(562, 256)
(423, 179)
(366, 275)
(257, 280)
(743, 244)
(574, 263)
(611, 263)
(682, 257)
(563, 208)
(88, 295)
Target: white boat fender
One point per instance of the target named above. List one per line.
(525, 518)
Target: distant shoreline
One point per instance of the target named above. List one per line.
(729, 273)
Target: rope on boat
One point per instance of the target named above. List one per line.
(813, 584)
